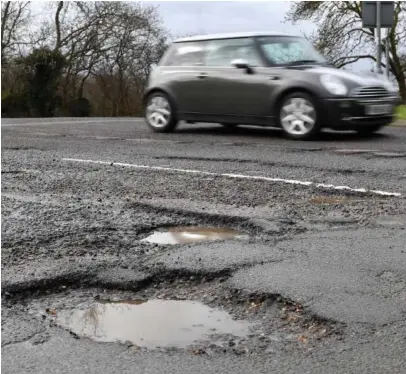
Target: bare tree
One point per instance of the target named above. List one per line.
(14, 21)
(341, 38)
(133, 42)
(108, 48)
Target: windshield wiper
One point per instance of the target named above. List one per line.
(299, 62)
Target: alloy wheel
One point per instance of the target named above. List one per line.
(158, 112)
(298, 116)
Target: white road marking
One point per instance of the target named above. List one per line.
(237, 176)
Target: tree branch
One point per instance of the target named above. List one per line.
(58, 25)
(4, 18)
(343, 61)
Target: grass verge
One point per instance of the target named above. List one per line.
(401, 112)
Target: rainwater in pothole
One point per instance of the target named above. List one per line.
(150, 324)
(329, 200)
(189, 235)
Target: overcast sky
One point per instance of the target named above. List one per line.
(191, 17)
(201, 17)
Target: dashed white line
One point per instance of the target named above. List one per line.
(238, 176)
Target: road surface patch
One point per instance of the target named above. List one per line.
(215, 257)
(338, 276)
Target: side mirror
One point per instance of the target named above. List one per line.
(242, 64)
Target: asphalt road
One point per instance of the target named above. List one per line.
(322, 274)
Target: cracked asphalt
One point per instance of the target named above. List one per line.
(321, 276)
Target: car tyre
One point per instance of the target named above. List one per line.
(229, 125)
(299, 116)
(160, 113)
(368, 130)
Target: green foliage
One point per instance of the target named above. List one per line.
(14, 105)
(79, 107)
(42, 71)
(401, 112)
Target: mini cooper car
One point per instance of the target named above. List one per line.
(263, 79)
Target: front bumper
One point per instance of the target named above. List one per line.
(350, 113)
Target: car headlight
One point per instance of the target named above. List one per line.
(391, 87)
(334, 85)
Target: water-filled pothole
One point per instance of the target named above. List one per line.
(189, 235)
(330, 200)
(150, 324)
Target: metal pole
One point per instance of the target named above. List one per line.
(378, 32)
(387, 52)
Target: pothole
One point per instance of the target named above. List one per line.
(189, 235)
(150, 323)
(192, 313)
(12, 171)
(373, 152)
(389, 154)
(352, 151)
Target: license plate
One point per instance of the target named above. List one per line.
(373, 110)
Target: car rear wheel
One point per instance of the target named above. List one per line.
(160, 113)
(299, 117)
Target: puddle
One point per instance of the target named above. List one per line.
(189, 235)
(150, 324)
(329, 200)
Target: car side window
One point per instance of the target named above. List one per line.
(185, 54)
(222, 51)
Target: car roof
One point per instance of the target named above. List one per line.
(231, 35)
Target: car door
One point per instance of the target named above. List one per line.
(181, 73)
(231, 91)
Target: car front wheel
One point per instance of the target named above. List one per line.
(299, 117)
(160, 113)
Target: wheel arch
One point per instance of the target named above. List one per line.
(158, 90)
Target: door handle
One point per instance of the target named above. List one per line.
(201, 75)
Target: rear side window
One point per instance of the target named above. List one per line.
(221, 52)
(184, 54)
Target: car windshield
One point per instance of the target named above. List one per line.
(283, 50)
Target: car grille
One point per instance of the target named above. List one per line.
(370, 92)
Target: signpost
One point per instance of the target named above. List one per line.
(377, 15)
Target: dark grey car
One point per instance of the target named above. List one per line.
(264, 79)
